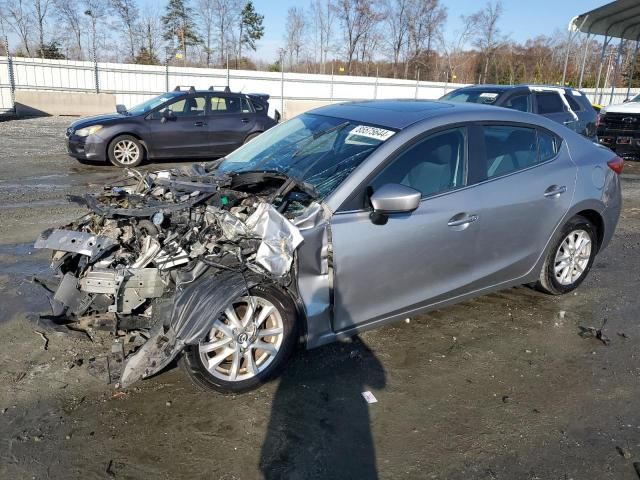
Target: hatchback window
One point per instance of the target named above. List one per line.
(549, 102)
(521, 103)
(575, 106)
(432, 166)
(509, 149)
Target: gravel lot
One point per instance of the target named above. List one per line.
(501, 387)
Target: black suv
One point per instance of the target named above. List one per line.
(561, 104)
(179, 124)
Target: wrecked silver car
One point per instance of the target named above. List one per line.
(339, 220)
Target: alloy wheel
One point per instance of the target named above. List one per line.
(126, 152)
(244, 340)
(572, 257)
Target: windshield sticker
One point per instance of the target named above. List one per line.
(372, 132)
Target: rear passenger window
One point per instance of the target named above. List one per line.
(246, 107)
(509, 149)
(434, 165)
(521, 103)
(549, 102)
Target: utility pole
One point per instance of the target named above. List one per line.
(94, 20)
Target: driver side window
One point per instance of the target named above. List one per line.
(433, 165)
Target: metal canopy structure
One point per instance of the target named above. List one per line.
(619, 19)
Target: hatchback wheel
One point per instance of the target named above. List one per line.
(247, 345)
(126, 151)
(570, 258)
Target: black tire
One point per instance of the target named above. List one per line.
(548, 282)
(192, 363)
(125, 140)
(251, 137)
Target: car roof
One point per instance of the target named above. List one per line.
(396, 114)
(399, 114)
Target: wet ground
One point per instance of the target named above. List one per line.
(501, 387)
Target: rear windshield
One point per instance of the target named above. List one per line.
(487, 97)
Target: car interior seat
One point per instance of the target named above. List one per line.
(435, 173)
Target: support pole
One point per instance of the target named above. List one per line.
(282, 84)
(584, 59)
(604, 49)
(573, 31)
(166, 69)
(615, 70)
(417, 82)
(12, 78)
(633, 67)
(228, 75)
(375, 86)
(331, 96)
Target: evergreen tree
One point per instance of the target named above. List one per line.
(179, 25)
(145, 57)
(251, 29)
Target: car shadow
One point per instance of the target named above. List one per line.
(320, 425)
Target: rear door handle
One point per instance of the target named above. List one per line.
(555, 191)
(245, 120)
(457, 220)
(199, 124)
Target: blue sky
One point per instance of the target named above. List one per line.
(522, 19)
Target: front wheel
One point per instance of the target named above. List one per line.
(570, 258)
(248, 344)
(126, 151)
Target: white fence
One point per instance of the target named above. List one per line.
(133, 84)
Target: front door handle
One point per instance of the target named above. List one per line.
(462, 219)
(245, 120)
(199, 124)
(555, 191)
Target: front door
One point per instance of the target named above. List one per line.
(184, 133)
(415, 258)
(231, 119)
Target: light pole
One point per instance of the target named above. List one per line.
(94, 20)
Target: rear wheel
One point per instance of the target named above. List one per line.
(126, 151)
(248, 344)
(570, 258)
(251, 137)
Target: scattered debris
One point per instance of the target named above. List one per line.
(562, 313)
(592, 332)
(623, 335)
(624, 452)
(119, 394)
(109, 471)
(168, 404)
(369, 397)
(506, 399)
(44, 338)
(636, 466)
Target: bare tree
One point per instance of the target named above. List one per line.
(294, 33)
(487, 36)
(323, 15)
(358, 18)
(17, 15)
(151, 33)
(69, 13)
(128, 14)
(397, 21)
(453, 48)
(426, 18)
(207, 10)
(226, 15)
(40, 9)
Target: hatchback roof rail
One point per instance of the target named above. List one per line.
(225, 89)
(191, 89)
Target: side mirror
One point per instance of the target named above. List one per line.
(167, 115)
(277, 116)
(121, 109)
(393, 198)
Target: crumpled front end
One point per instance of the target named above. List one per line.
(157, 258)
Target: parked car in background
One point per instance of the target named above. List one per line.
(619, 127)
(564, 105)
(178, 124)
(343, 219)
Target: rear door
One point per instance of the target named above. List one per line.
(185, 134)
(231, 118)
(525, 183)
(551, 105)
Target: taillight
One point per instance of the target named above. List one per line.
(616, 164)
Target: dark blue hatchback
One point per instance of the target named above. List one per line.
(179, 124)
